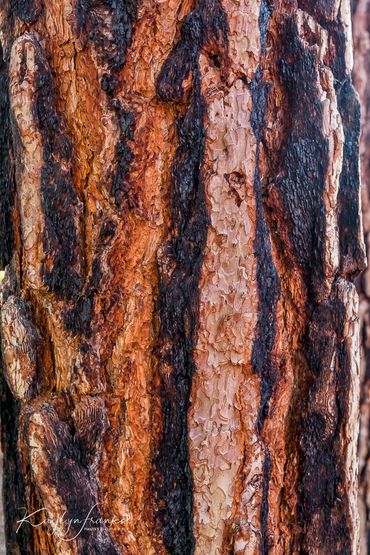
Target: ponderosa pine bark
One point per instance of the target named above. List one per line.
(180, 225)
(361, 32)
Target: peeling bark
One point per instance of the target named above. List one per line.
(181, 231)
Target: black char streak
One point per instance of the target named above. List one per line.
(58, 196)
(323, 501)
(6, 188)
(268, 282)
(71, 475)
(304, 159)
(323, 510)
(178, 302)
(109, 25)
(27, 10)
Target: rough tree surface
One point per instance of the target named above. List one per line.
(180, 221)
(361, 31)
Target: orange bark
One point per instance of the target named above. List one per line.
(179, 320)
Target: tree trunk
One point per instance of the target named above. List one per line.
(361, 30)
(181, 228)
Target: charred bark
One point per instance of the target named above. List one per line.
(181, 232)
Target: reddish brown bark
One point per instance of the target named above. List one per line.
(361, 75)
(182, 231)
